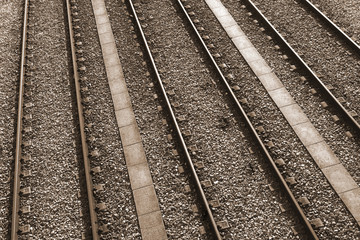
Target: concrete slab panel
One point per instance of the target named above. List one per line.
(106, 37)
(103, 28)
(109, 49)
(134, 154)
(294, 114)
(250, 54)
(260, 67)
(111, 60)
(98, 3)
(352, 202)
(339, 178)
(125, 117)
(145, 200)
(213, 3)
(234, 31)
(139, 176)
(99, 10)
(100, 19)
(114, 72)
(154, 233)
(121, 100)
(307, 133)
(271, 81)
(242, 42)
(281, 97)
(227, 21)
(322, 154)
(150, 220)
(220, 11)
(117, 86)
(130, 134)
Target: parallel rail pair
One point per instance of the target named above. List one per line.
(347, 116)
(19, 129)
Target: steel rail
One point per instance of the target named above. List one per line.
(18, 149)
(348, 117)
(183, 144)
(85, 151)
(252, 129)
(337, 29)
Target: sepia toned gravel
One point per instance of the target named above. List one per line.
(103, 135)
(240, 178)
(246, 201)
(10, 41)
(55, 206)
(175, 205)
(344, 13)
(310, 181)
(328, 57)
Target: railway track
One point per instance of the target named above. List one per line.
(332, 25)
(22, 155)
(346, 114)
(262, 146)
(199, 188)
(337, 102)
(84, 146)
(250, 55)
(22, 187)
(255, 135)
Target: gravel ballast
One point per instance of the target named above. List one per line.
(103, 135)
(329, 58)
(55, 206)
(344, 13)
(310, 181)
(10, 41)
(228, 163)
(175, 204)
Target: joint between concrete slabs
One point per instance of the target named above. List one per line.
(130, 134)
(109, 49)
(349, 190)
(134, 154)
(104, 28)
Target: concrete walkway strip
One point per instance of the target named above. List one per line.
(334, 171)
(146, 202)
